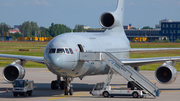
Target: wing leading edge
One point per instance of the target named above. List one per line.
(144, 61)
(28, 58)
(152, 49)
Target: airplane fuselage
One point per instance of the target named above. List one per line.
(67, 63)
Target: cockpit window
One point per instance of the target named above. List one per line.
(67, 50)
(52, 50)
(60, 50)
(71, 51)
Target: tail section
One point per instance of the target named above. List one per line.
(120, 10)
(114, 20)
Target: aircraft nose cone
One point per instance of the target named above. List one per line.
(56, 61)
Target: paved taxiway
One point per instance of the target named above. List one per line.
(42, 92)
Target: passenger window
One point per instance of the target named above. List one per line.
(71, 51)
(67, 51)
(60, 50)
(52, 50)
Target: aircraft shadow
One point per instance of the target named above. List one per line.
(44, 90)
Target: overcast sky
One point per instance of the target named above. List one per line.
(139, 13)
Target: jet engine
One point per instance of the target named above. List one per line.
(109, 20)
(13, 71)
(166, 74)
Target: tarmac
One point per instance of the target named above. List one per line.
(42, 88)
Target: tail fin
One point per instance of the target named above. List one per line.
(120, 10)
(114, 20)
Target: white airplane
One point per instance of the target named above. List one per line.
(61, 55)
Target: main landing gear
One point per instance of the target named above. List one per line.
(64, 85)
(57, 83)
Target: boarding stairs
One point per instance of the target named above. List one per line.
(124, 70)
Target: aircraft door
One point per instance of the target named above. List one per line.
(80, 48)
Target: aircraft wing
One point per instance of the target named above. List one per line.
(144, 61)
(28, 58)
(152, 49)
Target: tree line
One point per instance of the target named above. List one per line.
(31, 29)
(4, 28)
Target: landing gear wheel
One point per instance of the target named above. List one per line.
(62, 85)
(135, 95)
(71, 91)
(105, 94)
(54, 85)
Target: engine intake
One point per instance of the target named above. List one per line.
(109, 20)
(166, 74)
(13, 71)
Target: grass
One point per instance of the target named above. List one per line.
(155, 45)
(12, 47)
(155, 53)
(37, 49)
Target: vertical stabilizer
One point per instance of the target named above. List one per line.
(120, 10)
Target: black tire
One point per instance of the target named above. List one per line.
(71, 91)
(141, 96)
(30, 93)
(25, 94)
(15, 94)
(105, 94)
(54, 85)
(62, 85)
(135, 94)
(21, 94)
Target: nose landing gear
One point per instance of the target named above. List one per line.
(64, 85)
(68, 86)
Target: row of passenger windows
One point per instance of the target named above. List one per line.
(61, 50)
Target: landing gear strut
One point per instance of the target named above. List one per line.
(57, 83)
(68, 86)
(137, 69)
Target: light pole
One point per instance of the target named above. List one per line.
(2, 24)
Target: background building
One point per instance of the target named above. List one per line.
(159, 25)
(171, 30)
(128, 27)
(149, 34)
(166, 29)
